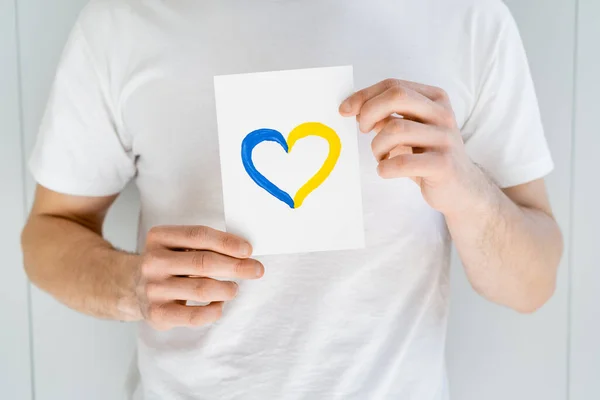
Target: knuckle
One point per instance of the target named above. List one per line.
(397, 92)
(398, 125)
(239, 266)
(155, 313)
(390, 82)
(200, 261)
(150, 262)
(227, 242)
(439, 94)
(153, 234)
(197, 233)
(447, 117)
(201, 292)
(152, 289)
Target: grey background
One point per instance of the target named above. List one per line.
(48, 352)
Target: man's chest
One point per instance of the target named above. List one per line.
(168, 107)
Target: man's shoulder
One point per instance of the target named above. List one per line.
(489, 12)
(493, 7)
(482, 23)
(112, 28)
(97, 12)
(107, 18)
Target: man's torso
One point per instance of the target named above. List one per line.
(362, 324)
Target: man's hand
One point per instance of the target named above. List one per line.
(508, 240)
(191, 263)
(66, 256)
(417, 137)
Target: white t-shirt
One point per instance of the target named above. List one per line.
(134, 99)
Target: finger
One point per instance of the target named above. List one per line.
(171, 315)
(199, 238)
(403, 101)
(381, 124)
(203, 264)
(411, 165)
(431, 92)
(402, 132)
(201, 290)
(353, 104)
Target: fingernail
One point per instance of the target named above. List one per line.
(237, 288)
(346, 108)
(245, 250)
(258, 270)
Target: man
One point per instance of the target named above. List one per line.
(133, 99)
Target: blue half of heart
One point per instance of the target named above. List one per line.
(249, 143)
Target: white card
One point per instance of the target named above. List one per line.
(308, 199)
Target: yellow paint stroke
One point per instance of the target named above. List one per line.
(335, 148)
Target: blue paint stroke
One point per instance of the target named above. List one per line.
(250, 142)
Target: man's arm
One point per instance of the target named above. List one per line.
(508, 241)
(66, 256)
(510, 245)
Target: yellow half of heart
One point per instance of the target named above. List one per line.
(335, 148)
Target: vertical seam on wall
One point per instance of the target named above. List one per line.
(572, 185)
(24, 180)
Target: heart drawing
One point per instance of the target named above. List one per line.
(301, 131)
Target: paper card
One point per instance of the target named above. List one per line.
(289, 161)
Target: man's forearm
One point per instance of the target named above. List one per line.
(79, 268)
(510, 252)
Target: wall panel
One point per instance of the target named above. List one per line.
(76, 357)
(15, 382)
(585, 261)
(495, 353)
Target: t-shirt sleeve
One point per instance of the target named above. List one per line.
(80, 148)
(504, 133)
